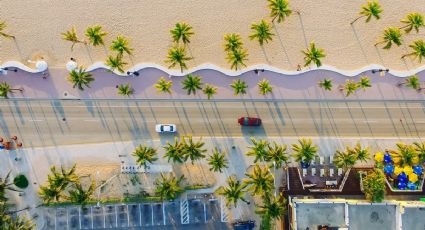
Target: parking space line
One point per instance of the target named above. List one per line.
(55, 218)
(128, 216)
(152, 213)
(79, 216)
(140, 214)
(205, 213)
(163, 211)
(67, 219)
(91, 213)
(104, 217)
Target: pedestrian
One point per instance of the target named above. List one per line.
(298, 67)
(401, 120)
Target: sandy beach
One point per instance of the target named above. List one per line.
(37, 25)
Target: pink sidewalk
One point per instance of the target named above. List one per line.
(303, 86)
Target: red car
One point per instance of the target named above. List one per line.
(249, 121)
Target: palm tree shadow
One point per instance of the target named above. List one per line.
(18, 49)
(404, 59)
(360, 44)
(191, 55)
(303, 29)
(265, 55)
(105, 50)
(379, 55)
(281, 44)
(88, 52)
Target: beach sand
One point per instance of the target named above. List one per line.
(37, 25)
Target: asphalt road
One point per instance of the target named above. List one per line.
(45, 123)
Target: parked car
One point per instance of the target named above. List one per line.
(244, 225)
(249, 121)
(165, 128)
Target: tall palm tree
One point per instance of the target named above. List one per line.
(413, 21)
(116, 63)
(326, 84)
(418, 47)
(349, 87)
(18, 223)
(305, 151)
(209, 90)
(391, 35)
(233, 192)
(71, 35)
(80, 195)
(313, 55)
(237, 58)
(49, 193)
(362, 154)
(405, 152)
(411, 82)
(232, 42)
(145, 155)
(260, 181)
(121, 45)
(279, 9)
(80, 78)
(193, 150)
(63, 177)
(239, 87)
(192, 83)
(125, 90)
(344, 159)
(175, 151)
(264, 87)
(371, 9)
(95, 35)
(364, 82)
(3, 34)
(5, 89)
(177, 56)
(182, 32)
(259, 150)
(273, 207)
(217, 161)
(168, 187)
(278, 155)
(5, 185)
(163, 86)
(261, 32)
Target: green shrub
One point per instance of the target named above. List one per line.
(20, 181)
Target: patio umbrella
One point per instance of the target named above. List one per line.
(387, 158)
(41, 65)
(401, 185)
(71, 65)
(398, 170)
(402, 177)
(408, 169)
(413, 178)
(389, 169)
(379, 157)
(411, 186)
(417, 169)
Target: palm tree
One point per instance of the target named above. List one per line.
(344, 159)
(279, 9)
(305, 151)
(177, 56)
(374, 185)
(313, 55)
(264, 87)
(125, 90)
(391, 35)
(239, 87)
(411, 82)
(192, 83)
(71, 35)
(364, 83)
(261, 32)
(61, 179)
(418, 47)
(326, 84)
(413, 21)
(80, 195)
(233, 42)
(3, 34)
(259, 150)
(237, 58)
(209, 90)
(49, 193)
(5, 185)
(168, 188)
(145, 155)
(5, 89)
(175, 151)
(277, 154)
(80, 78)
(18, 223)
(405, 152)
(182, 32)
(273, 208)
(362, 154)
(233, 192)
(260, 181)
(163, 86)
(116, 63)
(121, 45)
(349, 87)
(420, 149)
(217, 161)
(371, 9)
(193, 150)
(95, 35)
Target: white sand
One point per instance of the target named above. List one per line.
(37, 25)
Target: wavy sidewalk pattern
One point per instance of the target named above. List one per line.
(208, 66)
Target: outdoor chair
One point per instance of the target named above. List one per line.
(313, 171)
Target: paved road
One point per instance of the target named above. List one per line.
(44, 123)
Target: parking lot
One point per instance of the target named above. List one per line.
(200, 213)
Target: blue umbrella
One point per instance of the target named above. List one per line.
(387, 158)
(389, 169)
(402, 185)
(417, 170)
(411, 186)
(402, 177)
(305, 164)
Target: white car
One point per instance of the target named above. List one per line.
(165, 128)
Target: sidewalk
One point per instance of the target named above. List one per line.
(302, 86)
